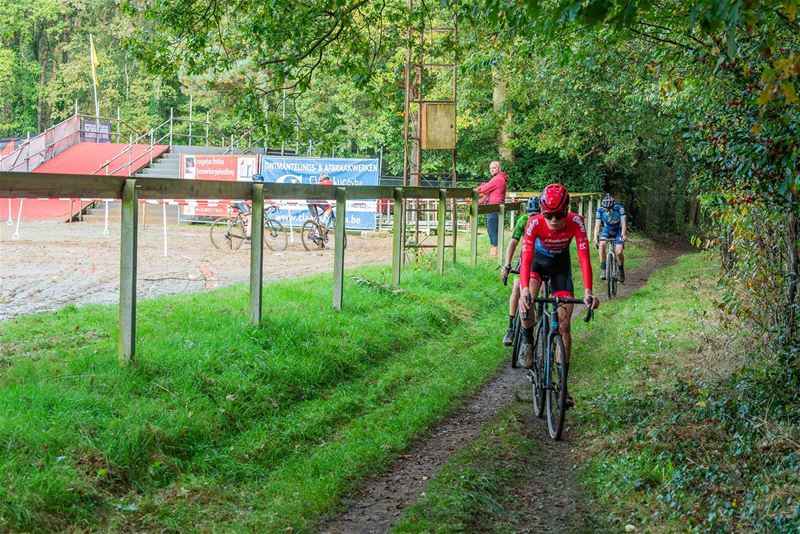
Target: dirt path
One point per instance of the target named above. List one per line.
(55, 264)
(549, 487)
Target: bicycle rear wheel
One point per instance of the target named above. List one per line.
(537, 371)
(516, 341)
(311, 235)
(556, 398)
(274, 235)
(227, 233)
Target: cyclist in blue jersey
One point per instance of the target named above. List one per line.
(611, 217)
(533, 208)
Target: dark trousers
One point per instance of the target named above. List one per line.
(491, 223)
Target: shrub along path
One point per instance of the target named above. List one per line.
(382, 499)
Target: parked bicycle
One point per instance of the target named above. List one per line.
(315, 233)
(548, 374)
(228, 233)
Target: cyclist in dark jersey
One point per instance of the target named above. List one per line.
(532, 207)
(556, 227)
(317, 206)
(611, 216)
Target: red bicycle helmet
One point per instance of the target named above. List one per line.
(555, 198)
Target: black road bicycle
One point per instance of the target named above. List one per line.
(315, 234)
(612, 267)
(548, 375)
(228, 233)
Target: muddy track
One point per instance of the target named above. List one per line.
(382, 498)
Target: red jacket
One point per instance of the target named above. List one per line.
(494, 190)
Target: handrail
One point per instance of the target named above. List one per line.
(44, 185)
(129, 148)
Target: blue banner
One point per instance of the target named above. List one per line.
(361, 214)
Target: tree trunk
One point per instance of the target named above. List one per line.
(499, 103)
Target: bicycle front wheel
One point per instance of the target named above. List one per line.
(556, 398)
(311, 236)
(537, 371)
(227, 233)
(611, 268)
(275, 237)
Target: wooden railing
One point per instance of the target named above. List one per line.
(130, 191)
(26, 185)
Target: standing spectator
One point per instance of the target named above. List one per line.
(494, 192)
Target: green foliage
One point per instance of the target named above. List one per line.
(532, 171)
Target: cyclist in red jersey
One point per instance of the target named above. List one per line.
(555, 228)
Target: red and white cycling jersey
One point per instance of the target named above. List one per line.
(557, 242)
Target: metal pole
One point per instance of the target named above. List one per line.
(171, 116)
(127, 276)
(190, 119)
(207, 128)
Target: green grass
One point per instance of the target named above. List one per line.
(220, 425)
(673, 433)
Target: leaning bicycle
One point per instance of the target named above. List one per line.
(548, 374)
(315, 234)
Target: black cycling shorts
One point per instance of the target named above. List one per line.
(558, 269)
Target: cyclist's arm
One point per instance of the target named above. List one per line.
(512, 246)
(528, 245)
(582, 243)
(624, 221)
(596, 229)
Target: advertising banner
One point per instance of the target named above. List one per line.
(361, 214)
(214, 167)
(96, 131)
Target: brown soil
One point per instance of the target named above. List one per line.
(549, 494)
(54, 264)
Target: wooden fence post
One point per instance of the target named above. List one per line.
(338, 255)
(397, 236)
(256, 253)
(474, 229)
(501, 234)
(590, 218)
(455, 230)
(441, 230)
(127, 273)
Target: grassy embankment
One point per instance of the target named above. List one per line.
(226, 426)
(674, 432)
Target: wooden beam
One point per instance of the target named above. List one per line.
(474, 229)
(338, 256)
(256, 253)
(28, 185)
(127, 274)
(441, 230)
(501, 234)
(397, 235)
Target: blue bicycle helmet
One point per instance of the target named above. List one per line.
(533, 205)
(257, 177)
(608, 202)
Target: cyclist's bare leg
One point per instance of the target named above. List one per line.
(248, 228)
(533, 287)
(603, 246)
(514, 299)
(620, 256)
(564, 326)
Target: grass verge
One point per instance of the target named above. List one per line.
(677, 430)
